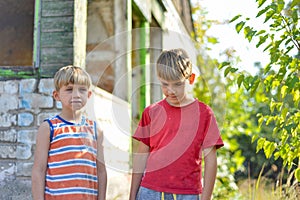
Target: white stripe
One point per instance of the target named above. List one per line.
(81, 148)
(72, 176)
(71, 190)
(72, 162)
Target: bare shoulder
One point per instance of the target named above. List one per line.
(44, 128)
(43, 134)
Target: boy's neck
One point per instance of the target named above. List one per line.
(71, 117)
(186, 101)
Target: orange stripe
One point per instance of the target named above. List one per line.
(72, 169)
(73, 129)
(69, 141)
(71, 155)
(71, 197)
(73, 183)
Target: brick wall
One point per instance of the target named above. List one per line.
(24, 104)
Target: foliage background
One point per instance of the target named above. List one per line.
(258, 114)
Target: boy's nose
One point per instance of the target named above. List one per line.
(171, 90)
(75, 93)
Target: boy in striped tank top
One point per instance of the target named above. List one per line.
(68, 160)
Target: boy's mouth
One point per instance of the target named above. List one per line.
(75, 101)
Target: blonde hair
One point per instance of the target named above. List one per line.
(173, 65)
(71, 74)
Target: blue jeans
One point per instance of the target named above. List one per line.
(148, 194)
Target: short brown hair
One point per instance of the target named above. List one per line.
(174, 65)
(71, 74)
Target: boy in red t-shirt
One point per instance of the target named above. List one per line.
(172, 135)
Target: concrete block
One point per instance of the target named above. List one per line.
(24, 169)
(8, 102)
(11, 87)
(27, 86)
(36, 101)
(25, 119)
(7, 170)
(2, 87)
(17, 189)
(8, 135)
(46, 86)
(42, 116)
(8, 151)
(7, 119)
(23, 151)
(26, 136)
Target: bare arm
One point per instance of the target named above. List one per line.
(210, 172)
(101, 169)
(139, 164)
(40, 162)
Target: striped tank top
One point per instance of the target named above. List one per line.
(72, 170)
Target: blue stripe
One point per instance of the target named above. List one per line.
(71, 191)
(72, 177)
(72, 162)
(72, 148)
(74, 135)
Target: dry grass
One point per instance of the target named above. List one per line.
(264, 189)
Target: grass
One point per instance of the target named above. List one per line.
(263, 188)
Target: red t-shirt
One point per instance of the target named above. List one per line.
(176, 137)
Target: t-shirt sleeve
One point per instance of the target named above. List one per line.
(212, 136)
(142, 132)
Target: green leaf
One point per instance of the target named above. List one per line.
(232, 70)
(247, 82)
(260, 144)
(272, 105)
(227, 70)
(261, 2)
(212, 40)
(239, 26)
(240, 79)
(254, 86)
(269, 148)
(294, 3)
(262, 11)
(262, 39)
(297, 174)
(260, 121)
(267, 69)
(283, 91)
(235, 18)
(254, 137)
(249, 33)
(223, 64)
(269, 14)
(284, 112)
(260, 32)
(267, 47)
(292, 81)
(280, 6)
(296, 96)
(295, 16)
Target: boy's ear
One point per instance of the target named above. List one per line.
(192, 78)
(55, 95)
(89, 93)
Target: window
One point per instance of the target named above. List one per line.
(16, 32)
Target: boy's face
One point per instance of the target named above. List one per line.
(175, 91)
(72, 96)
